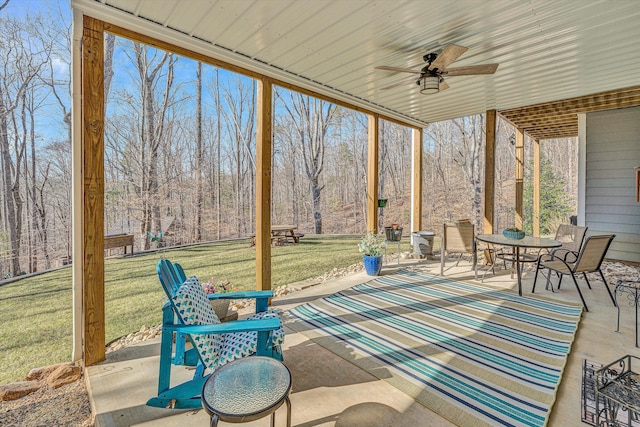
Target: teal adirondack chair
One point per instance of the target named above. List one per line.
(188, 313)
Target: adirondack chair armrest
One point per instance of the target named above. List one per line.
(242, 295)
(261, 297)
(228, 327)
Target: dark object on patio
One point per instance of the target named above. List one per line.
(382, 203)
(588, 397)
(588, 394)
(617, 392)
(189, 313)
(458, 239)
(393, 234)
(247, 390)
(588, 260)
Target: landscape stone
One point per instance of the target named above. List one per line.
(64, 374)
(18, 389)
(44, 371)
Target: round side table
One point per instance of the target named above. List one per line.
(247, 389)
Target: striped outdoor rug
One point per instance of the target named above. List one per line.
(473, 354)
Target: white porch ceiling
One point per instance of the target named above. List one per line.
(547, 49)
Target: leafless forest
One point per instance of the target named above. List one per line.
(180, 154)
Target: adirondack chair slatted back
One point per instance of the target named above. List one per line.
(169, 277)
(592, 253)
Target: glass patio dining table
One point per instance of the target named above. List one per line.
(528, 242)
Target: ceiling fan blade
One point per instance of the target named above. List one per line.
(400, 70)
(472, 70)
(450, 53)
(443, 85)
(394, 85)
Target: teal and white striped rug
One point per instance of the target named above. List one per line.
(474, 354)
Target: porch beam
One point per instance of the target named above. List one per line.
(518, 222)
(536, 187)
(489, 171)
(372, 173)
(91, 253)
(264, 149)
(189, 53)
(416, 181)
(613, 99)
(559, 119)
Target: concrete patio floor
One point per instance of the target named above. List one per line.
(330, 391)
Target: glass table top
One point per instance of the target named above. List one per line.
(526, 242)
(247, 386)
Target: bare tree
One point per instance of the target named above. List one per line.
(22, 63)
(311, 118)
(199, 152)
(151, 66)
(467, 156)
(239, 114)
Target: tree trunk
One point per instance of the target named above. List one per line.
(199, 154)
(33, 238)
(12, 204)
(218, 189)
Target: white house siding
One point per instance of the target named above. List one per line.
(612, 153)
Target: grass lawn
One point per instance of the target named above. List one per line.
(36, 317)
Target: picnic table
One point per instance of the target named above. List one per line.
(280, 234)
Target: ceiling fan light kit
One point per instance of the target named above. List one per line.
(429, 85)
(432, 74)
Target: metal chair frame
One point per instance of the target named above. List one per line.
(588, 260)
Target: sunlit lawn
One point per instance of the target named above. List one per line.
(36, 315)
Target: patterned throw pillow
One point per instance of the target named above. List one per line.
(243, 344)
(194, 308)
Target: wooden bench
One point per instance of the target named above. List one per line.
(118, 240)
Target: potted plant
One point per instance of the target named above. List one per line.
(218, 286)
(371, 245)
(513, 233)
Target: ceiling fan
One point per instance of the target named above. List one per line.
(432, 75)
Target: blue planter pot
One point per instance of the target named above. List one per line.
(373, 265)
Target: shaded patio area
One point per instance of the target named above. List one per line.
(329, 390)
